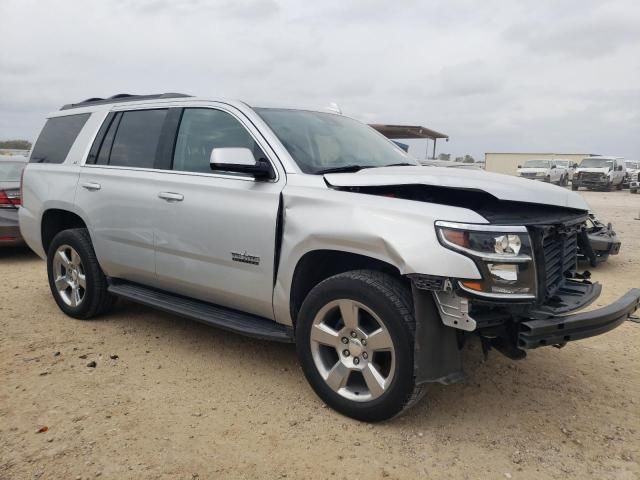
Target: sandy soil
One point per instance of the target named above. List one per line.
(185, 401)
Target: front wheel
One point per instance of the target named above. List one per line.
(77, 282)
(355, 338)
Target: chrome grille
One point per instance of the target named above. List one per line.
(590, 176)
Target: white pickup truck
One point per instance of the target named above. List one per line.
(544, 170)
(308, 227)
(599, 173)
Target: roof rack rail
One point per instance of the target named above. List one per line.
(121, 97)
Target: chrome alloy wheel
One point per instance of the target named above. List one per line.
(352, 350)
(69, 276)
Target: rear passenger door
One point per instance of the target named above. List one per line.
(117, 192)
(216, 231)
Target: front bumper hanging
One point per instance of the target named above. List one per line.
(558, 330)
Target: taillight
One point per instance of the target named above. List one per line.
(10, 199)
(22, 183)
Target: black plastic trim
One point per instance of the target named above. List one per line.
(214, 315)
(121, 98)
(559, 330)
(97, 142)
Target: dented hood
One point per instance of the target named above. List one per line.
(503, 187)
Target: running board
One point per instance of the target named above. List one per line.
(214, 315)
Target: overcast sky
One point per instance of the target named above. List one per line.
(544, 75)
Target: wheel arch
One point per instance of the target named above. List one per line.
(317, 265)
(55, 220)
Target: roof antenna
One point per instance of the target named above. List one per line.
(334, 107)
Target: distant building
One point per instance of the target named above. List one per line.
(508, 162)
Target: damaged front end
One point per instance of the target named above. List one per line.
(598, 241)
(529, 287)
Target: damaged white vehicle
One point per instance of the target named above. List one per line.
(307, 227)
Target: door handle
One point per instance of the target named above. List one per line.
(91, 186)
(171, 197)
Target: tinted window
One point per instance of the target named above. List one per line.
(136, 139)
(57, 137)
(107, 141)
(202, 130)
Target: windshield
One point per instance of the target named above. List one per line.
(596, 163)
(323, 141)
(562, 163)
(10, 171)
(536, 164)
(634, 165)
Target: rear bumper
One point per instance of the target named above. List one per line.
(9, 228)
(561, 329)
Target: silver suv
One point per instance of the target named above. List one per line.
(307, 227)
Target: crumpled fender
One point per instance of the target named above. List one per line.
(396, 231)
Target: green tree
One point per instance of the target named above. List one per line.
(16, 144)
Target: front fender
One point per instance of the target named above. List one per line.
(396, 231)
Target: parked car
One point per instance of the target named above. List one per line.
(602, 241)
(10, 171)
(544, 170)
(569, 168)
(307, 227)
(448, 164)
(632, 168)
(599, 173)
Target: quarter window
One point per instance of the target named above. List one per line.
(203, 129)
(57, 137)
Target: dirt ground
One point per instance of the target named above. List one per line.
(182, 400)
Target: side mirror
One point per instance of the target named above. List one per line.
(620, 168)
(575, 165)
(552, 167)
(519, 166)
(240, 160)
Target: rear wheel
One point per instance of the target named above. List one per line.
(574, 186)
(355, 337)
(77, 282)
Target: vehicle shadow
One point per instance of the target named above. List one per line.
(20, 253)
(496, 390)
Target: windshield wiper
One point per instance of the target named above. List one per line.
(343, 169)
(401, 164)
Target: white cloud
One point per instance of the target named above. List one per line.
(494, 75)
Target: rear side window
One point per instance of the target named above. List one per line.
(129, 139)
(136, 139)
(57, 137)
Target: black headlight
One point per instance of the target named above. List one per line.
(503, 254)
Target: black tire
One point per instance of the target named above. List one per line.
(547, 179)
(619, 186)
(574, 186)
(633, 190)
(392, 302)
(97, 300)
